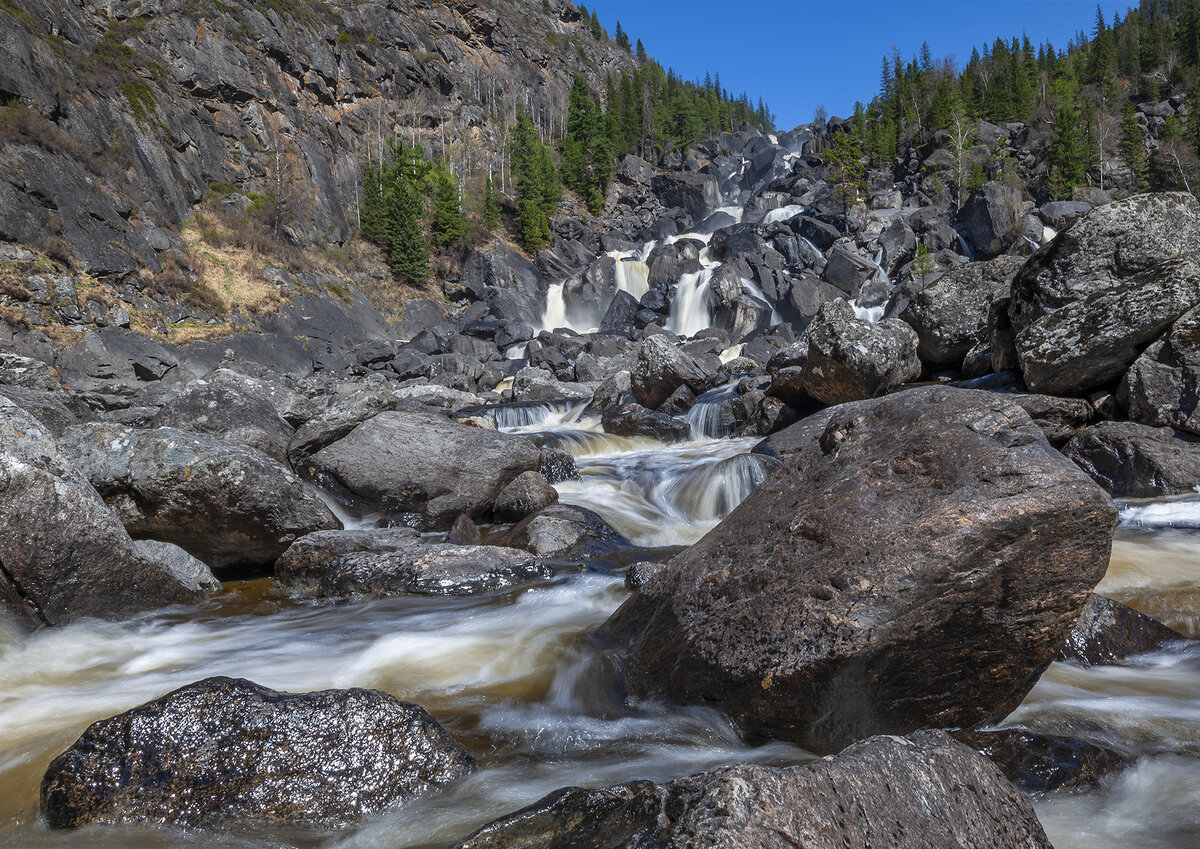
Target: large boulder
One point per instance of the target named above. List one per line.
(1133, 460)
(849, 359)
(1162, 387)
(636, 420)
(991, 218)
(65, 555)
(951, 316)
(423, 466)
(918, 564)
(1084, 306)
(229, 411)
(226, 751)
(1039, 763)
(395, 561)
(222, 502)
(915, 792)
(662, 367)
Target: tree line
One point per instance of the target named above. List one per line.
(1082, 97)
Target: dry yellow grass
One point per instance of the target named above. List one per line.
(181, 334)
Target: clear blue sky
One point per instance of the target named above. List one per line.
(798, 54)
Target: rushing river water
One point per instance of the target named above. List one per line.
(513, 677)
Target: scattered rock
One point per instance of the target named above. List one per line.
(636, 420)
(849, 359)
(225, 503)
(225, 751)
(424, 467)
(1132, 460)
(662, 367)
(1108, 632)
(395, 561)
(528, 493)
(228, 411)
(565, 531)
(1039, 763)
(923, 790)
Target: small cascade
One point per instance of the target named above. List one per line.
(784, 213)
(538, 415)
(708, 493)
(1048, 234)
(705, 415)
(556, 308)
(689, 308)
(755, 291)
(871, 315)
(632, 274)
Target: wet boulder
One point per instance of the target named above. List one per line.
(228, 411)
(662, 367)
(528, 493)
(923, 790)
(65, 555)
(565, 531)
(1085, 306)
(849, 359)
(226, 751)
(918, 564)
(423, 467)
(636, 420)
(951, 316)
(1040, 763)
(1133, 460)
(395, 561)
(1059, 418)
(222, 502)
(1108, 632)
(991, 218)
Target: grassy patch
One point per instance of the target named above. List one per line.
(142, 104)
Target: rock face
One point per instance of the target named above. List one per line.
(924, 790)
(425, 467)
(1136, 461)
(395, 561)
(225, 503)
(1084, 306)
(918, 565)
(1109, 632)
(850, 359)
(65, 555)
(951, 316)
(226, 750)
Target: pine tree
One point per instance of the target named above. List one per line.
(1068, 154)
(491, 206)
(448, 223)
(407, 254)
(594, 24)
(1131, 146)
(845, 171)
(621, 38)
(641, 53)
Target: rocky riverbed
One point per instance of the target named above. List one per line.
(722, 538)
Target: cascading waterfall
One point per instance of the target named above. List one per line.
(689, 308)
(705, 415)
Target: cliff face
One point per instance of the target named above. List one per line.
(118, 117)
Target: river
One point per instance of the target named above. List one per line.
(514, 677)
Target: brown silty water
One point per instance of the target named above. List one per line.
(513, 676)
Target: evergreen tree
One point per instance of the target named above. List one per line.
(491, 206)
(922, 265)
(537, 183)
(1131, 146)
(448, 223)
(594, 24)
(1068, 154)
(845, 171)
(640, 53)
(621, 38)
(407, 255)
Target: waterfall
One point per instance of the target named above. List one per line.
(784, 213)
(689, 308)
(633, 275)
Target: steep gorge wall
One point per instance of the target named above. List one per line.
(118, 117)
